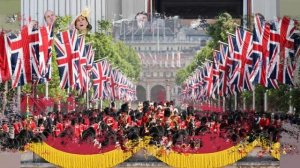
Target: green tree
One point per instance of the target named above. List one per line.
(218, 32)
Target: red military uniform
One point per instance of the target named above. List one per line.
(16, 128)
(77, 130)
(5, 127)
(58, 128)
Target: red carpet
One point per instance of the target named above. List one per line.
(210, 143)
(68, 146)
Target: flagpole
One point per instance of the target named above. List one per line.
(244, 103)
(19, 98)
(101, 59)
(235, 101)
(101, 104)
(219, 101)
(253, 99)
(224, 103)
(87, 93)
(266, 101)
(291, 109)
(47, 90)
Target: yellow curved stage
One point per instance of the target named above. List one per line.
(174, 159)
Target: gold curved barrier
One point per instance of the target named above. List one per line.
(69, 160)
(209, 160)
(172, 158)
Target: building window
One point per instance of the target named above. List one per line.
(161, 74)
(154, 74)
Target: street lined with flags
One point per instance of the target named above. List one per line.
(268, 56)
(26, 58)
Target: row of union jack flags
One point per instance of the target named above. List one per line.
(25, 58)
(109, 83)
(268, 56)
(77, 69)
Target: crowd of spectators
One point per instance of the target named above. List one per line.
(165, 125)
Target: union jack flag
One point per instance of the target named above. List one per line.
(215, 71)
(20, 47)
(224, 69)
(114, 83)
(233, 80)
(200, 84)
(101, 79)
(123, 87)
(282, 53)
(80, 66)
(260, 54)
(208, 78)
(242, 56)
(67, 55)
(45, 52)
(90, 54)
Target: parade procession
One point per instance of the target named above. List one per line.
(85, 88)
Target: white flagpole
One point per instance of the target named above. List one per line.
(87, 93)
(101, 104)
(219, 101)
(235, 101)
(253, 99)
(224, 103)
(47, 90)
(266, 101)
(291, 109)
(19, 98)
(244, 103)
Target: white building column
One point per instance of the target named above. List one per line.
(148, 92)
(168, 94)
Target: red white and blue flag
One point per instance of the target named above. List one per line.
(24, 64)
(224, 70)
(282, 53)
(80, 66)
(242, 72)
(234, 67)
(261, 53)
(67, 55)
(101, 80)
(45, 52)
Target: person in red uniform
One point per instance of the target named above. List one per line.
(5, 126)
(58, 127)
(16, 126)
